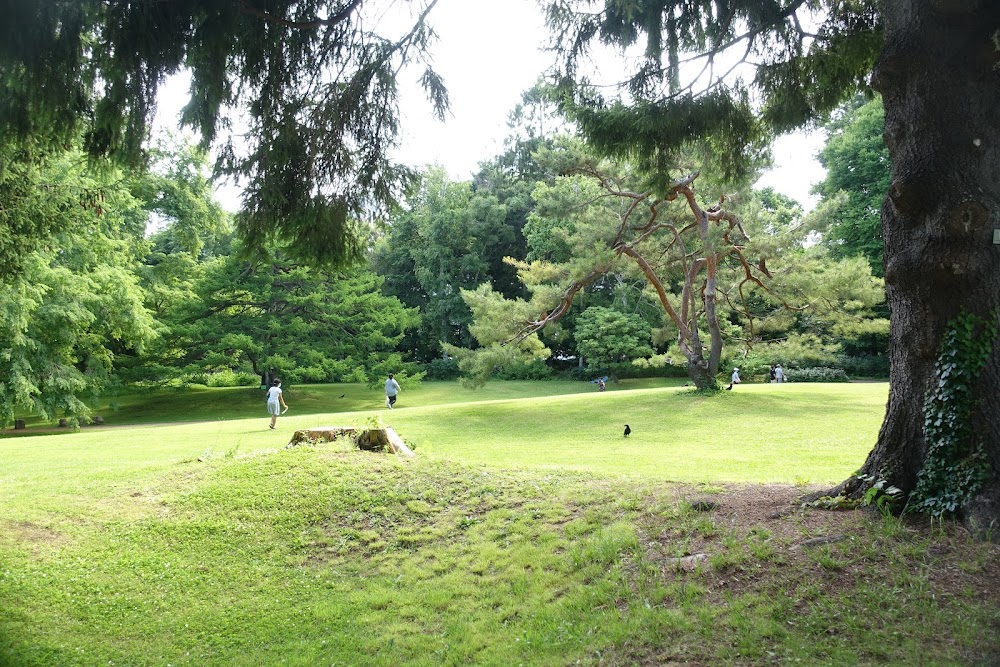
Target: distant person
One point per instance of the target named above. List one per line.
(779, 373)
(275, 401)
(600, 385)
(735, 379)
(391, 389)
(772, 376)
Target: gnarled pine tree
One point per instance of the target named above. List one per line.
(660, 244)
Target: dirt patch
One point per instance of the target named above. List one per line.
(776, 509)
(35, 534)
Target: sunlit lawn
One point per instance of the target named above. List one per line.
(198, 403)
(527, 530)
(793, 433)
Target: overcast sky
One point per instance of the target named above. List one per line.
(488, 53)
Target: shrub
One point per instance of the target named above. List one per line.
(228, 378)
(816, 374)
(533, 370)
(442, 369)
(633, 370)
(626, 370)
(869, 366)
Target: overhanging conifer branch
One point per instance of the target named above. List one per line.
(315, 23)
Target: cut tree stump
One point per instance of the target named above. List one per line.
(320, 434)
(381, 439)
(370, 440)
(396, 443)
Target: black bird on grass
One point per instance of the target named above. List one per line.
(627, 430)
(342, 395)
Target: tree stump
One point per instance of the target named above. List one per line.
(373, 440)
(19, 423)
(318, 434)
(369, 440)
(396, 444)
(381, 439)
(63, 423)
(97, 420)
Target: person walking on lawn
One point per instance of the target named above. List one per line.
(391, 389)
(275, 401)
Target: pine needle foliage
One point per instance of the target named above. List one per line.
(309, 85)
(731, 72)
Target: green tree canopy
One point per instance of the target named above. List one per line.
(310, 87)
(717, 275)
(692, 83)
(451, 237)
(857, 164)
(224, 315)
(607, 336)
(177, 191)
(74, 307)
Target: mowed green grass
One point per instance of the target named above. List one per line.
(199, 403)
(804, 433)
(525, 531)
(794, 433)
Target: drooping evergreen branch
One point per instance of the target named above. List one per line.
(315, 23)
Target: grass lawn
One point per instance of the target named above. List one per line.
(200, 403)
(526, 530)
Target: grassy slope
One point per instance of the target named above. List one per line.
(202, 403)
(525, 531)
(763, 433)
(802, 433)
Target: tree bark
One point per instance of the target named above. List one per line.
(939, 75)
(701, 376)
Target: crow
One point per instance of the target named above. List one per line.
(627, 430)
(730, 387)
(342, 395)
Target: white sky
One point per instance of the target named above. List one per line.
(489, 53)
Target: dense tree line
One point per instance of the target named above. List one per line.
(142, 281)
(642, 270)
(146, 282)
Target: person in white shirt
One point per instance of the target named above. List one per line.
(779, 373)
(391, 389)
(275, 401)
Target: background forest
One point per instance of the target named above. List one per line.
(141, 279)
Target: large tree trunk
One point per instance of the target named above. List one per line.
(700, 374)
(939, 75)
